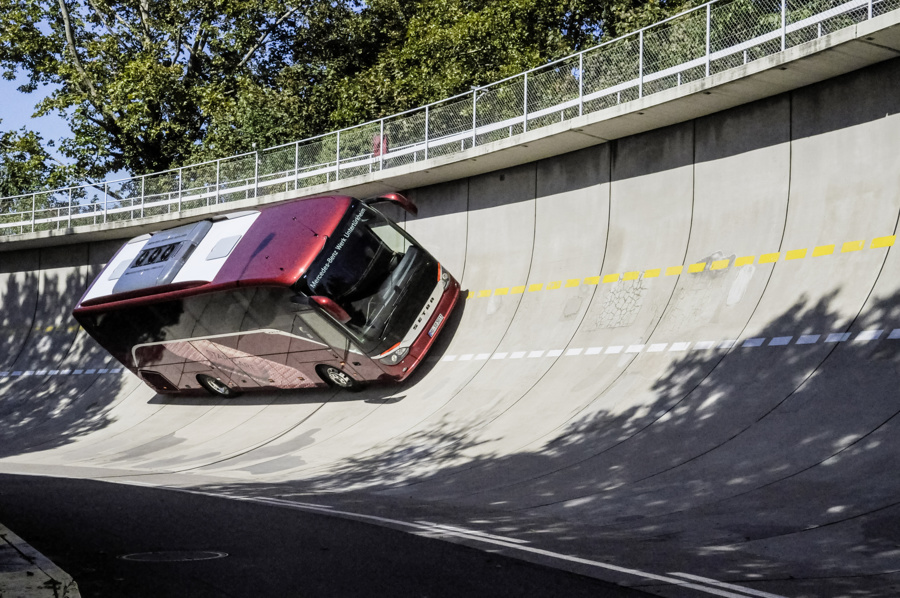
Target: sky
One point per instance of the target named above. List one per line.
(16, 109)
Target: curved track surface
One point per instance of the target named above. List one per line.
(679, 356)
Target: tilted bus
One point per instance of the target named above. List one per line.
(316, 291)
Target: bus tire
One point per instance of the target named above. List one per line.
(216, 387)
(338, 378)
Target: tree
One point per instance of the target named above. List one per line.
(27, 166)
(141, 81)
(147, 86)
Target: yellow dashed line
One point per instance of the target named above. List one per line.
(49, 329)
(765, 258)
(883, 242)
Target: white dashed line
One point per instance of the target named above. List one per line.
(779, 341)
(868, 335)
(837, 337)
(808, 339)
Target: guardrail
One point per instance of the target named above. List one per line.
(697, 43)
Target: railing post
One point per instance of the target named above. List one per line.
(69, 221)
(427, 122)
(218, 182)
(337, 164)
(641, 64)
(581, 84)
(296, 164)
(256, 174)
(783, 24)
(143, 193)
(870, 9)
(180, 179)
(474, 112)
(381, 148)
(33, 209)
(105, 200)
(525, 113)
(708, 29)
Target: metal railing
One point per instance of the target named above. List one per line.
(709, 39)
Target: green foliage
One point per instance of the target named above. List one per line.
(147, 86)
(26, 165)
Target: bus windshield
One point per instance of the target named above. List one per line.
(373, 270)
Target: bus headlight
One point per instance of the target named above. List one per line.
(445, 278)
(395, 357)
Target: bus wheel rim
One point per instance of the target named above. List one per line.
(218, 386)
(338, 376)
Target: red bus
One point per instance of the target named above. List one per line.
(322, 290)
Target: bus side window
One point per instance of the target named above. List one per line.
(328, 333)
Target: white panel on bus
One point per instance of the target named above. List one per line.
(198, 266)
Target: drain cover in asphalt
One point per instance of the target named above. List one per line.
(174, 556)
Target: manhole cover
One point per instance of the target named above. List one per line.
(174, 556)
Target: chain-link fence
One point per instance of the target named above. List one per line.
(703, 41)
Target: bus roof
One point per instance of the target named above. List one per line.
(272, 246)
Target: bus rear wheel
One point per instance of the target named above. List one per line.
(216, 387)
(336, 377)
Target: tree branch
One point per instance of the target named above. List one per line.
(261, 40)
(70, 41)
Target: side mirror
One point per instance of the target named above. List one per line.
(331, 308)
(394, 198)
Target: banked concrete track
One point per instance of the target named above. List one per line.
(679, 358)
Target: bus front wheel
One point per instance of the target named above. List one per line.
(216, 387)
(336, 377)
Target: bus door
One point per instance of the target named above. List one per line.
(335, 349)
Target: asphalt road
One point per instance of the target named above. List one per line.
(86, 527)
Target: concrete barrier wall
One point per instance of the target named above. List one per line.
(676, 352)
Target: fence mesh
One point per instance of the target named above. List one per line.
(553, 93)
(674, 52)
(450, 127)
(404, 141)
(611, 74)
(276, 169)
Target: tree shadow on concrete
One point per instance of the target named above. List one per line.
(772, 459)
(55, 382)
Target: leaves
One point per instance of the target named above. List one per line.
(148, 86)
